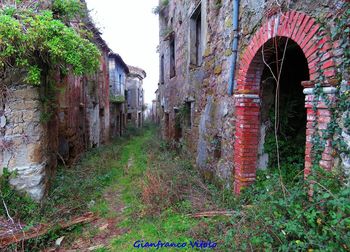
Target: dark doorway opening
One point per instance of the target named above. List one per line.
(290, 114)
(167, 125)
(177, 126)
(121, 124)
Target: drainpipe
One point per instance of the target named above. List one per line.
(235, 17)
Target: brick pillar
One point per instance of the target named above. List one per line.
(323, 115)
(246, 139)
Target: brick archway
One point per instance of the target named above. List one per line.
(316, 46)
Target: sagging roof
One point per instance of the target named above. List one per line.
(97, 36)
(90, 25)
(139, 72)
(118, 58)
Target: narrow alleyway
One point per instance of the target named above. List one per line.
(143, 193)
(151, 198)
(139, 190)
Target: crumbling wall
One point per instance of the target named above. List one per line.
(83, 112)
(57, 120)
(24, 140)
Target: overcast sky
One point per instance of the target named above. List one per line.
(131, 29)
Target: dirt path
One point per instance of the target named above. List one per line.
(100, 232)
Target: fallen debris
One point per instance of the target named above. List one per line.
(41, 229)
(212, 214)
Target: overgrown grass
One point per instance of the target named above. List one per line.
(74, 190)
(161, 189)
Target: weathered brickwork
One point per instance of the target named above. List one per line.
(83, 113)
(225, 136)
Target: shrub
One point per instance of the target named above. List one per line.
(273, 218)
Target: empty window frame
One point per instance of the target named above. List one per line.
(172, 56)
(188, 114)
(162, 69)
(196, 37)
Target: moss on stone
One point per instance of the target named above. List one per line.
(207, 52)
(228, 52)
(218, 69)
(228, 22)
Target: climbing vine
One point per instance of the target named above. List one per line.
(35, 39)
(339, 108)
(163, 3)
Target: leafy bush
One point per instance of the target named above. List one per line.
(35, 40)
(286, 219)
(11, 199)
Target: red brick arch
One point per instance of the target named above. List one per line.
(315, 44)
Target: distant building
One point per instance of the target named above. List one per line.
(118, 71)
(155, 113)
(135, 96)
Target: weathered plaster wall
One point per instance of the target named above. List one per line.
(117, 84)
(204, 85)
(83, 112)
(135, 99)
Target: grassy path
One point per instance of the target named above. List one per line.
(144, 192)
(124, 216)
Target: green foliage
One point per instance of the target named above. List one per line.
(35, 40)
(156, 10)
(341, 31)
(218, 4)
(12, 198)
(291, 138)
(67, 9)
(340, 120)
(116, 98)
(269, 220)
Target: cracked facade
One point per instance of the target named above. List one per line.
(225, 133)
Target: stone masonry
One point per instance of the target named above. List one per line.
(35, 138)
(225, 132)
(23, 142)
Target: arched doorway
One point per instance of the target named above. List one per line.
(282, 106)
(307, 48)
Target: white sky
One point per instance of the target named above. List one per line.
(131, 29)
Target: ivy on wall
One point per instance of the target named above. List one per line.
(34, 38)
(339, 108)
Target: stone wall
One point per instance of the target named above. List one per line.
(34, 135)
(24, 140)
(213, 138)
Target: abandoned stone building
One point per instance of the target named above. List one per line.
(222, 65)
(135, 96)
(118, 72)
(85, 112)
(31, 144)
